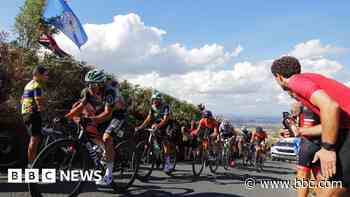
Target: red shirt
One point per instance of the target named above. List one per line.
(304, 85)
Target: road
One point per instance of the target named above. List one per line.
(224, 184)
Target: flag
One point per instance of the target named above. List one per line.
(49, 42)
(59, 14)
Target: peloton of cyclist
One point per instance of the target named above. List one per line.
(159, 119)
(110, 114)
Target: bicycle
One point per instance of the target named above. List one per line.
(151, 152)
(204, 155)
(81, 153)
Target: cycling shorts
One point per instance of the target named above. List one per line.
(306, 153)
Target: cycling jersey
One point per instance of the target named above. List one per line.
(107, 98)
(308, 118)
(226, 131)
(32, 98)
(157, 114)
(206, 123)
(259, 136)
(304, 85)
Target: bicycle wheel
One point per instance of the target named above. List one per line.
(147, 160)
(125, 165)
(214, 163)
(225, 160)
(63, 156)
(198, 163)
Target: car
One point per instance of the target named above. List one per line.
(285, 149)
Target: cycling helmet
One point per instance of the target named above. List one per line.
(244, 130)
(95, 76)
(109, 77)
(259, 129)
(201, 107)
(156, 96)
(207, 114)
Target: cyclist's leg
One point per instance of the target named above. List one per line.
(33, 123)
(257, 152)
(113, 126)
(306, 154)
(303, 174)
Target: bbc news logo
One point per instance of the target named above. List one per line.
(52, 175)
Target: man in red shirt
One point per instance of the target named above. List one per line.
(331, 101)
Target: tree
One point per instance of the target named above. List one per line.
(27, 24)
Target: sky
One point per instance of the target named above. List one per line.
(213, 52)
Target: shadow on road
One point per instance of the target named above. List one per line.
(13, 187)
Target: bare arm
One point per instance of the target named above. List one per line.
(329, 113)
(146, 122)
(311, 131)
(75, 111)
(164, 121)
(103, 116)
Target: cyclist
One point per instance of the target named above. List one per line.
(227, 131)
(258, 139)
(208, 122)
(309, 145)
(186, 142)
(159, 117)
(330, 100)
(245, 136)
(33, 102)
(110, 114)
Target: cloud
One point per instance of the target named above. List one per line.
(314, 49)
(314, 57)
(134, 51)
(128, 46)
(239, 88)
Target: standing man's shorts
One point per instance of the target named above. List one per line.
(33, 123)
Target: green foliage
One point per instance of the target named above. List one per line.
(19, 57)
(27, 25)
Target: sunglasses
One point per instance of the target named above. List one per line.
(94, 85)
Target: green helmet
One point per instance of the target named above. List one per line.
(109, 77)
(95, 76)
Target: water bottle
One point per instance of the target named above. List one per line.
(92, 153)
(120, 133)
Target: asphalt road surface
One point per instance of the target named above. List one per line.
(226, 183)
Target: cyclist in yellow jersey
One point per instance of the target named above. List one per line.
(32, 105)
